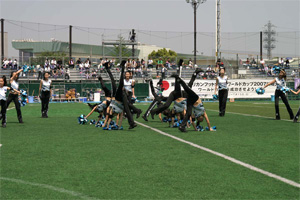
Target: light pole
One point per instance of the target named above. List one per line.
(195, 4)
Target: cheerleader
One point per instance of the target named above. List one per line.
(13, 95)
(194, 100)
(120, 102)
(3, 91)
(280, 84)
(179, 109)
(221, 86)
(45, 93)
(298, 113)
(103, 107)
(177, 93)
(158, 98)
(129, 90)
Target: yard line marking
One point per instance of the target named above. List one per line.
(50, 187)
(287, 181)
(248, 115)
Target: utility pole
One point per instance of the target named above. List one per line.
(218, 29)
(2, 40)
(70, 42)
(269, 39)
(195, 4)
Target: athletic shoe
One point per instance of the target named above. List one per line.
(4, 125)
(145, 118)
(277, 118)
(132, 126)
(182, 129)
(138, 113)
(21, 121)
(295, 120)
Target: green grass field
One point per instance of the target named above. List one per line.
(56, 158)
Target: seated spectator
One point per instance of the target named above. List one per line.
(208, 69)
(287, 64)
(150, 63)
(10, 64)
(78, 62)
(71, 63)
(15, 64)
(190, 63)
(5, 63)
(294, 73)
(94, 73)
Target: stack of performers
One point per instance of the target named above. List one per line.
(116, 103)
(187, 104)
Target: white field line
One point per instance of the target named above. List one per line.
(287, 181)
(248, 115)
(49, 187)
(258, 106)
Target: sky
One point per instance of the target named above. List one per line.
(163, 16)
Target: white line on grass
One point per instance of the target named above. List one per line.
(50, 187)
(248, 115)
(226, 157)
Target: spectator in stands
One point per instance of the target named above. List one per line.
(208, 69)
(40, 70)
(281, 62)
(150, 63)
(47, 63)
(100, 66)
(48, 69)
(219, 64)
(88, 60)
(15, 64)
(94, 73)
(168, 63)
(253, 62)
(190, 63)
(71, 63)
(87, 68)
(10, 64)
(294, 73)
(53, 63)
(248, 63)
(262, 63)
(5, 63)
(159, 66)
(287, 64)
(112, 62)
(78, 62)
(143, 64)
(67, 73)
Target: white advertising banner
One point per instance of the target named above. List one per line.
(237, 88)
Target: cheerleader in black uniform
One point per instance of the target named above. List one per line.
(298, 113)
(3, 91)
(177, 93)
(158, 98)
(103, 107)
(280, 83)
(14, 96)
(193, 101)
(45, 93)
(120, 102)
(221, 86)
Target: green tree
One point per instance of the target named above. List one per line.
(164, 54)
